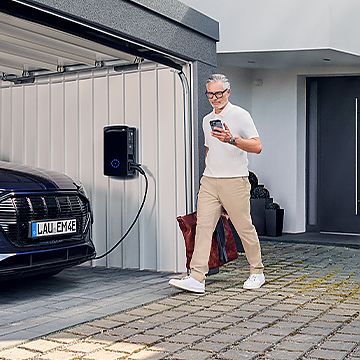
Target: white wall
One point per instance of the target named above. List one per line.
(241, 85)
(275, 112)
(276, 100)
(271, 98)
(58, 124)
(283, 24)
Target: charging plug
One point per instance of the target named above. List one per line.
(137, 167)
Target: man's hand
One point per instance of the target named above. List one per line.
(224, 135)
(252, 145)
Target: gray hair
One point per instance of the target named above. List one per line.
(219, 77)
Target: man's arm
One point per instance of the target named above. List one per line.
(206, 151)
(252, 145)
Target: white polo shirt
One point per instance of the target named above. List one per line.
(225, 160)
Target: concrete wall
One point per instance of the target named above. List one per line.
(169, 25)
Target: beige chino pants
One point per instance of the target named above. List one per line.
(233, 194)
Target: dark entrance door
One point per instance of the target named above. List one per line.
(337, 104)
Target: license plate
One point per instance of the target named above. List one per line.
(51, 228)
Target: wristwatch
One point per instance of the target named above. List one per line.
(232, 141)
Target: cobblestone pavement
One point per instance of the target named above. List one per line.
(31, 308)
(308, 309)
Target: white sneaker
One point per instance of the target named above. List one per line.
(255, 281)
(188, 283)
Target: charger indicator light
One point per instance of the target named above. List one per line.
(115, 163)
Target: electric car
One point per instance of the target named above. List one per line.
(45, 222)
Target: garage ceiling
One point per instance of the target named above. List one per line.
(28, 49)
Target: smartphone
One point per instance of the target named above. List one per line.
(216, 124)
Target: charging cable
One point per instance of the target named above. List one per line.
(138, 168)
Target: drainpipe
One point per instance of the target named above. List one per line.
(189, 171)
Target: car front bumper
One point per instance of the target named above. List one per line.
(44, 261)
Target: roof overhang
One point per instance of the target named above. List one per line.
(280, 59)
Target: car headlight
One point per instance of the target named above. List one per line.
(82, 190)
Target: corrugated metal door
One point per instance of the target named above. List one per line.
(58, 123)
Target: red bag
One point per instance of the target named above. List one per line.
(223, 246)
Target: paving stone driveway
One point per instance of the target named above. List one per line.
(308, 309)
(33, 308)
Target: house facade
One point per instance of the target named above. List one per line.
(295, 66)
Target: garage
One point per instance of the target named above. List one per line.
(68, 69)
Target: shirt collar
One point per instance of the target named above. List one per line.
(225, 110)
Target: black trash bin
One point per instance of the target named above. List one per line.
(257, 210)
(274, 220)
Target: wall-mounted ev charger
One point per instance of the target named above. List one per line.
(120, 145)
(120, 155)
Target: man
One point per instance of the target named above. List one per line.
(225, 184)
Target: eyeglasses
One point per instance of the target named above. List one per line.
(217, 94)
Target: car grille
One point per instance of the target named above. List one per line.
(18, 210)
